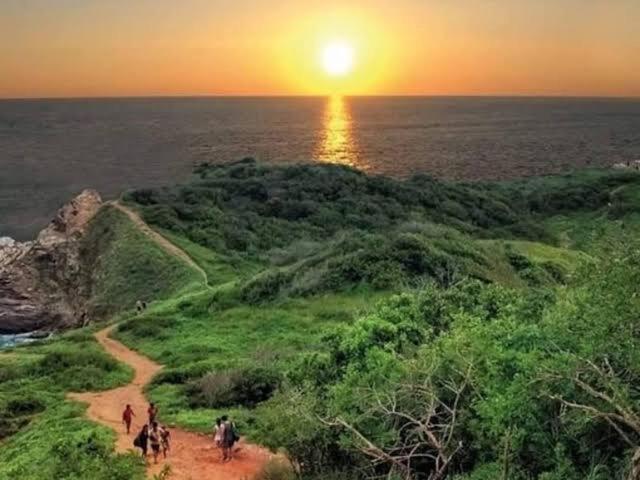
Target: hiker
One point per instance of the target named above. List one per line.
(142, 440)
(127, 417)
(217, 432)
(229, 438)
(165, 440)
(153, 413)
(155, 440)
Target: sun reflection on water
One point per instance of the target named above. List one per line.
(337, 143)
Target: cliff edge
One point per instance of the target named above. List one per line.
(41, 281)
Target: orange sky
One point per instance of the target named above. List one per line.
(272, 47)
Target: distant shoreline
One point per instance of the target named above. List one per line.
(239, 96)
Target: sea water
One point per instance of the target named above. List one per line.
(52, 149)
(7, 341)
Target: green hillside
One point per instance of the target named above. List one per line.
(123, 266)
(376, 327)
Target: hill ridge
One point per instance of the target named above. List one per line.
(159, 239)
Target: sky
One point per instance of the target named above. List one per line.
(85, 48)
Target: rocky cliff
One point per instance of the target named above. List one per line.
(41, 282)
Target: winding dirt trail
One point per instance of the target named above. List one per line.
(193, 456)
(169, 247)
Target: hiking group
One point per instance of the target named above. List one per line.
(158, 437)
(225, 436)
(152, 434)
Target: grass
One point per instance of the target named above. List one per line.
(127, 266)
(305, 237)
(204, 333)
(538, 253)
(54, 439)
(220, 269)
(274, 295)
(62, 444)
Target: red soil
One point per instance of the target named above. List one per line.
(192, 456)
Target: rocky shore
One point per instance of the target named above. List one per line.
(41, 285)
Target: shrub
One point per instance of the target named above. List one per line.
(9, 372)
(276, 469)
(24, 406)
(238, 387)
(555, 270)
(17, 413)
(179, 376)
(11, 425)
(148, 326)
(60, 361)
(163, 216)
(265, 286)
(518, 261)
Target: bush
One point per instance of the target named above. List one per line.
(88, 369)
(9, 372)
(238, 387)
(518, 261)
(11, 425)
(163, 216)
(24, 406)
(555, 270)
(148, 326)
(17, 413)
(276, 469)
(60, 361)
(265, 286)
(180, 376)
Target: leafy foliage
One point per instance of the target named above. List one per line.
(245, 386)
(368, 327)
(475, 380)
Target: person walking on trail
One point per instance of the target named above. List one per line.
(229, 438)
(155, 441)
(153, 413)
(142, 440)
(217, 433)
(165, 440)
(127, 417)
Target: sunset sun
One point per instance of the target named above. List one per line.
(337, 58)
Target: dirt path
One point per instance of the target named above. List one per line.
(169, 247)
(193, 456)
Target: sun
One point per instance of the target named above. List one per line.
(337, 59)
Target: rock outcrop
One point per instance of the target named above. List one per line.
(41, 281)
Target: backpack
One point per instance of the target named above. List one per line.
(230, 433)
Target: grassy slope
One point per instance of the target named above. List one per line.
(193, 331)
(220, 268)
(216, 331)
(126, 266)
(55, 440)
(190, 337)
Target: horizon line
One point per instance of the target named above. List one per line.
(275, 96)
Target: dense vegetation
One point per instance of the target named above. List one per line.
(43, 436)
(476, 381)
(376, 328)
(314, 229)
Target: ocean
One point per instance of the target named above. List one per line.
(52, 149)
(7, 341)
